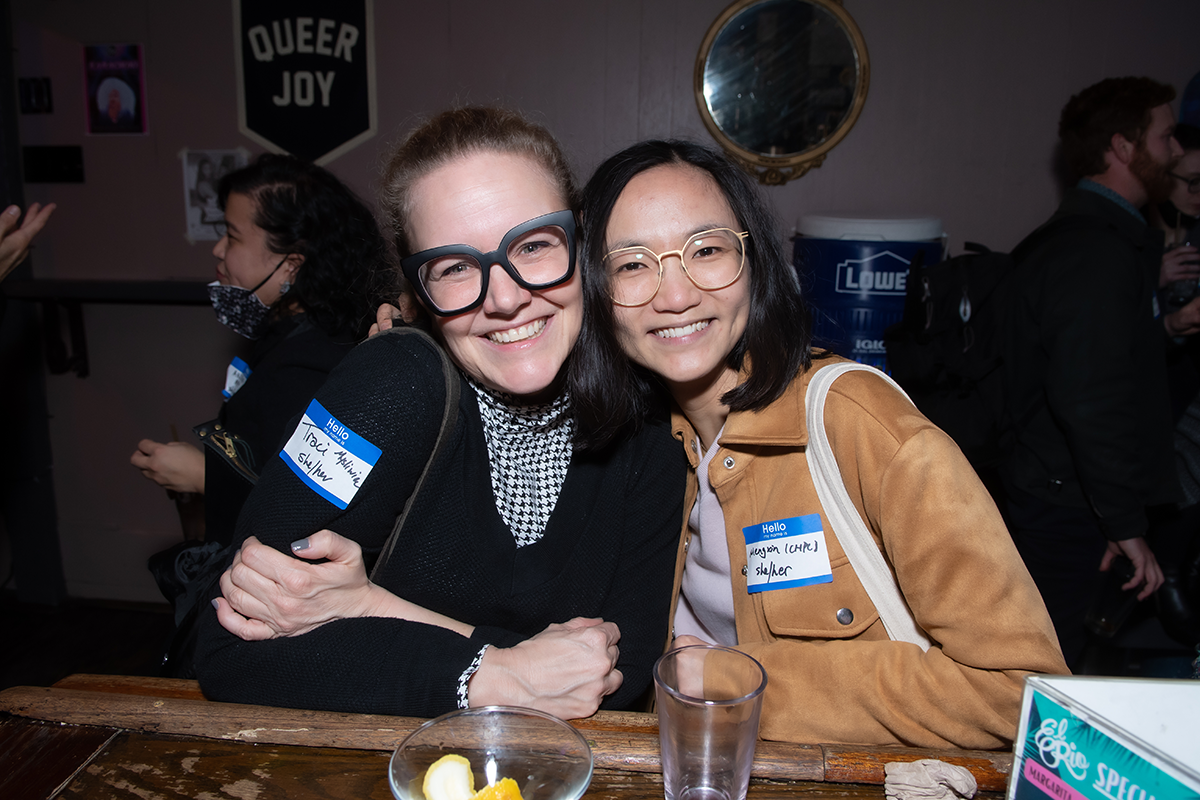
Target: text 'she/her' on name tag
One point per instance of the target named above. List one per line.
(332, 459)
(786, 553)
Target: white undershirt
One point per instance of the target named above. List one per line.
(706, 594)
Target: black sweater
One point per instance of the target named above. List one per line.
(1085, 366)
(608, 551)
(287, 365)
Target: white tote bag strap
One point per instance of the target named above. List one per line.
(847, 524)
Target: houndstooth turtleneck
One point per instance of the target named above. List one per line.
(529, 450)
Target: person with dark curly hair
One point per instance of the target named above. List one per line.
(300, 270)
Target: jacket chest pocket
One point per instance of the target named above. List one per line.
(837, 610)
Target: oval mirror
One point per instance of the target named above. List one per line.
(780, 82)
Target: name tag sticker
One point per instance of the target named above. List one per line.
(786, 553)
(235, 375)
(332, 459)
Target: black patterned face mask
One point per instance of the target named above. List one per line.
(239, 309)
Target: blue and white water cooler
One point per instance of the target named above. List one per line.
(855, 272)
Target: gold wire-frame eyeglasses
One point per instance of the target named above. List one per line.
(621, 298)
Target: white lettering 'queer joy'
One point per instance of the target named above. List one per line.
(285, 38)
(302, 95)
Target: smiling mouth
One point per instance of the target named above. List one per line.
(675, 333)
(518, 334)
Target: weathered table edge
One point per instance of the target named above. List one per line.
(619, 740)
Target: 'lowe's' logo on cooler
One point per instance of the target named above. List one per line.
(882, 274)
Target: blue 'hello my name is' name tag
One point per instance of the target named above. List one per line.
(235, 375)
(786, 553)
(329, 457)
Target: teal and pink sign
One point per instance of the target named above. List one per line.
(1066, 758)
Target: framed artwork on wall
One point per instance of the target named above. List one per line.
(202, 171)
(115, 82)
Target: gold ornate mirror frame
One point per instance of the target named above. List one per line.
(805, 147)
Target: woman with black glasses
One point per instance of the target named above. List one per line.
(526, 572)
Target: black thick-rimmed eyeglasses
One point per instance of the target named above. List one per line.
(1193, 184)
(453, 279)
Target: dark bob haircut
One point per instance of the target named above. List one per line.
(611, 394)
(305, 210)
(1091, 118)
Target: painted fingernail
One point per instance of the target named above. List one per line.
(300, 544)
(13, 211)
(215, 604)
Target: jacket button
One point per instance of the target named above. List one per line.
(743, 570)
(695, 447)
(728, 462)
(686, 542)
(845, 616)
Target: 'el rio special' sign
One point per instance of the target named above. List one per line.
(1065, 758)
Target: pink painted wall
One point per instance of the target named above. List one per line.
(959, 124)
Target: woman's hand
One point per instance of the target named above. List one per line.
(689, 677)
(267, 594)
(15, 240)
(1178, 264)
(686, 641)
(387, 314)
(174, 465)
(385, 317)
(566, 670)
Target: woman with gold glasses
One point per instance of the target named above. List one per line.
(690, 299)
(527, 572)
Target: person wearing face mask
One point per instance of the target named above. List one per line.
(299, 272)
(526, 572)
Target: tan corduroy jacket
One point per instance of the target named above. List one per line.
(833, 674)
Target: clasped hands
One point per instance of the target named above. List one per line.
(565, 670)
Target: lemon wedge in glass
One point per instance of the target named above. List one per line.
(449, 778)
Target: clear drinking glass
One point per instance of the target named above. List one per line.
(709, 703)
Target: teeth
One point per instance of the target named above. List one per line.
(518, 334)
(674, 333)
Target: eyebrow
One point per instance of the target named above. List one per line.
(707, 226)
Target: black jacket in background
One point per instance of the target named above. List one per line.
(287, 365)
(1085, 367)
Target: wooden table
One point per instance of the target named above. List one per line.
(101, 737)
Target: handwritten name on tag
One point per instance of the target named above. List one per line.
(786, 553)
(329, 457)
(235, 375)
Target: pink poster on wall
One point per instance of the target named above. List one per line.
(115, 81)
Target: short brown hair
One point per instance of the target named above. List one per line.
(1091, 118)
(460, 132)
